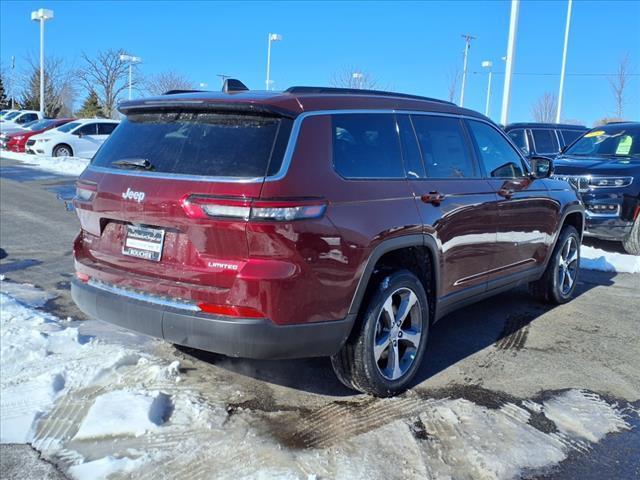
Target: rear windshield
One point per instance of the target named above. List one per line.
(198, 143)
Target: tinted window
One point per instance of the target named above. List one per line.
(106, 128)
(410, 151)
(443, 147)
(545, 140)
(67, 127)
(609, 140)
(519, 137)
(198, 143)
(10, 116)
(40, 125)
(366, 146)
(497, 155)
(570, 135)
(88, 129)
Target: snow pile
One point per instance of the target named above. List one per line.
(105, 467)
(597, 259)
(63, 165)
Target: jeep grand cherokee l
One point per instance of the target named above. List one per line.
(314, 222)
(604, 166)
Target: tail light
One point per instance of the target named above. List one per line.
(198, 206)
(85, 191)
(230, 310)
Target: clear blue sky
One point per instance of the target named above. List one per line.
(408, 46)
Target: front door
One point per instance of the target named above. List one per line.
(527, 214)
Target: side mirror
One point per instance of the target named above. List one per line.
(541, 167)
(79, 134)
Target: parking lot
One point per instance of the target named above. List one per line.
(503, 370)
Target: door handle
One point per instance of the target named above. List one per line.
(434, 198)
(506, 193)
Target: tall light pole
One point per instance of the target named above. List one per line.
(467, 46)
(357, 76)
(132, 60)
(488, 64)
(511, 58)
(41, 15)
(13, 81)
(564, 61)
(273, 37)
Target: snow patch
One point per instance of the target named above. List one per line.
(63, 165)
(105, 467)
(584, 415)
(25, 293)
(123, 413)
(597, 259)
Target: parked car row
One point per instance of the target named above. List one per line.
(543, 138)
(60, 137)
(15, 118)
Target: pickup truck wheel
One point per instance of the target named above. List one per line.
(385, 349)
(631, 243)
(558, 283)
(62, 150)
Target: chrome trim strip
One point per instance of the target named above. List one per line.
(143, 297)
(173, 176)
(494, 270)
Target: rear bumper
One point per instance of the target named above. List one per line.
(235, 337)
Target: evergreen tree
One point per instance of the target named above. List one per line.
(4, 101)
(91, 107)
(31, 96)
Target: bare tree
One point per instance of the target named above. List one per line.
(107, 75)
(353, 77)
(618, 83)
(453, 77)
(165, 81)
(59, 87)
(544, 110)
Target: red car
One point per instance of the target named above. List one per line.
(16, 141)
(315, 222)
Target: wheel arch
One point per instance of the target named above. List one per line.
(62, 144)
(405, 249)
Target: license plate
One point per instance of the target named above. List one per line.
(143, 242)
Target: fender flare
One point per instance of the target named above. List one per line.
(386, 246)
(574, 208)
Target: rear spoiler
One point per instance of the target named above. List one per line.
(128, 108)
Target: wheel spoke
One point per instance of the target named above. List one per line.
(393, 362)
(573, 257)
(411, 336)
(407, 303)
(387, 308)
(567, 248)
(380, 346)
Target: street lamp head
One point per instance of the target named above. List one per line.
(487, 64)
(42, 14)
(356, 75)
(130, 58)
(275, 37)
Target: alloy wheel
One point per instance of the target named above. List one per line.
(568, 265)
(398, 333)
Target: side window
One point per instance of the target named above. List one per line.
(444, 150)
(497, 155)
(519, 137)
(366, 146)
(88, 129)
(410, 151)
(106, 128)
(570, 135)
(545, 140)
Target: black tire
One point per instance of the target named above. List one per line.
(355, 364)
(551, 288)
(631, 243)
(58, 150)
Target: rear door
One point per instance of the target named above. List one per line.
(86, 140)
(456, 204)
(527, 215)
(193, 158)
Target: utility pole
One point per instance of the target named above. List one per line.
(564, 61)
(13, 79)
(467, 45)
(511, 54)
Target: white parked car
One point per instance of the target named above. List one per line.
(18, 118)
(80, 138)
(6, 112)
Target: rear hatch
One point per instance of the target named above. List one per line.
(142, 202)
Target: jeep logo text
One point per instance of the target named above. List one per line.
(131, 195)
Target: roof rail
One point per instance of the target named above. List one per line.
(358, 91)
(176, 92)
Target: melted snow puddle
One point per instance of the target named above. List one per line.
(103, 410)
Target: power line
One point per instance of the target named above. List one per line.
(557, 74)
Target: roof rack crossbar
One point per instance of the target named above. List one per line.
(356, 91)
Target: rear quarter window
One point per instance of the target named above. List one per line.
(545, 140)
(199, 143)
(366, 146)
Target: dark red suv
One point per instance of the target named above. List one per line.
(314, 222)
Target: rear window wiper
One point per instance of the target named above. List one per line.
(141, 163)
